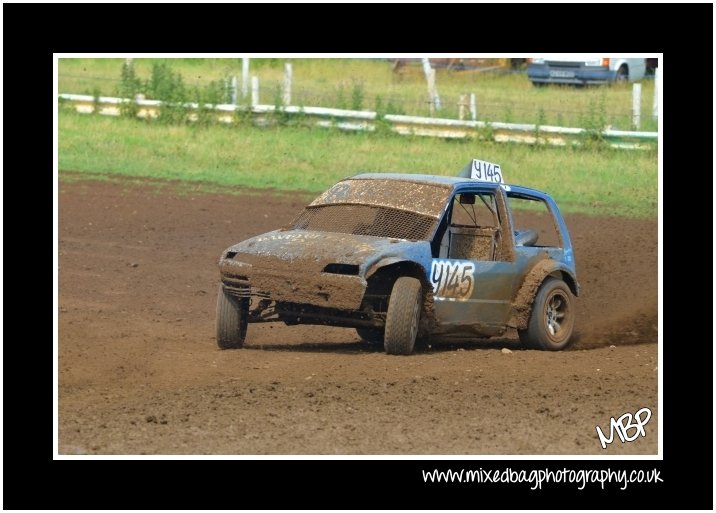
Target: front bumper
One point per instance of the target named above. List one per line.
(289, 282)
(551, 74)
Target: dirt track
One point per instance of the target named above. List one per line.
(140, 372)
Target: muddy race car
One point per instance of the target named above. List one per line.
(406, 257)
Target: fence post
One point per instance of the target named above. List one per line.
(430, 73)
(254, 91)
(287, 76)
(433, 92)
(426, 67)
(636, 106)
(473, 107)
(234, 89)
(244, 77)
(462, 107)
(655, 107)
(432, 89)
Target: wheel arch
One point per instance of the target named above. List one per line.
(627, 70)
(396, 267)
(391, 268)
(522, 304)
(567, 278)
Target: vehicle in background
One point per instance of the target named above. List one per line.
(582, 70)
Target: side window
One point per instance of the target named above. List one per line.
(533, 223)
(474, 210)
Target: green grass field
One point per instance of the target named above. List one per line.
(230, 158)
(501, 96)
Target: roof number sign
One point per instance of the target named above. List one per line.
(486, 171)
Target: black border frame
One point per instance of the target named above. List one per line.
(33, 480)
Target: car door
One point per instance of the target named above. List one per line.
(473, 275)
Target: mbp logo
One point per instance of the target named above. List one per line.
(623, 425)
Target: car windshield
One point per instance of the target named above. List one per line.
(381, 208)
(420, 197)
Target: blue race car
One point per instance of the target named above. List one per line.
(406, 257)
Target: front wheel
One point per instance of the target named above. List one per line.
(231, 320)
(401, 322)
(552, 318)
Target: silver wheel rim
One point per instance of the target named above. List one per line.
(556, 314)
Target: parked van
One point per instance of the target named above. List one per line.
(585, 70)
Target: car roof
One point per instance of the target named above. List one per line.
(450, 181)
(410, 177)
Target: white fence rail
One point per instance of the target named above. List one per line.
(366, 120)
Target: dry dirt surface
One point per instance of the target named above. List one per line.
(140, 372)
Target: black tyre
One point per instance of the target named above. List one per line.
(373, 336)
(401, 323)
(552, 318)
(622, 74)
(231, 320)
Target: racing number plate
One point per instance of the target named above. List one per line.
(452, 280)
(486, 171)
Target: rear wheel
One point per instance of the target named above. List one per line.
(552, 318)
(401, 323)
(373, 336)
(231, 320)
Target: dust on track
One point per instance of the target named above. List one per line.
(140, 373)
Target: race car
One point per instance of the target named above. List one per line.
(406, 257)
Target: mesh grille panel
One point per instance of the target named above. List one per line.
(366, 220)
(422, 198)
(471, 246)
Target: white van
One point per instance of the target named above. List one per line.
(584, 70)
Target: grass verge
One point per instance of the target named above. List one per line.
(596, 181)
